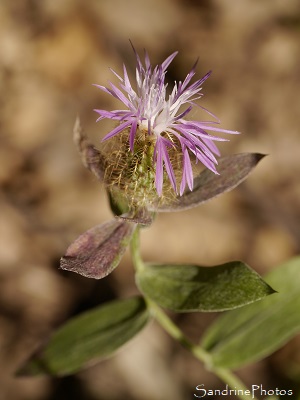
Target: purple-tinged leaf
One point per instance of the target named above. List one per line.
(91, 157)
(139, 216)
(98, 251)
(232, 171)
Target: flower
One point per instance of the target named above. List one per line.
(150, 109)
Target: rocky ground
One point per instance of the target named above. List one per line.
(51, 52)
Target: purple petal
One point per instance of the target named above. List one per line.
(208, 112)
(126, 78)
(120, 95)
(200, 81)
(197, 129)
(117, 75)
(211, 145)
(187, 176)
(147, 62)
(139, 66)
(184, 113)
(116, 114)
(193, 143)
(104, 88)
(212, 128)
(159, 175)
(163, 149)
(206, 161)
(115, 131)
(233, 170)
(168, 60)
(189, 76)
(169, 169)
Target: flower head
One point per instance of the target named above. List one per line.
(161, 117)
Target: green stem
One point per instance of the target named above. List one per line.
(198, 352)
(177, 334)
(135, 250)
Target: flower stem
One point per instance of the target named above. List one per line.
(176, 333)
(135, 250)
(198, 352)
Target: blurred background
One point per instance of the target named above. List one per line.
(51, 52)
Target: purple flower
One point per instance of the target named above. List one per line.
(149, 108)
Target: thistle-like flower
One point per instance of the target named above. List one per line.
(147, 157)
(155, 122)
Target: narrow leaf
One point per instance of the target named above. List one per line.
(232, 171)
(91, 157)
(89, 337)
(118, 201)
(243, 336)
(185, 288)
(139, 216)
(132, 213)
(98, 251)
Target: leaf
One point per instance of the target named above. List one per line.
(243, 336)
(91, 157)
(98, 251)
(232, 169)
(118, 201)
(89, 337)
(139, 216)
(185, 288)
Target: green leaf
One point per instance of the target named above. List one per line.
(244, 336)
(98, 251)
(89, 337)
(130, 212)
(232, 170)
(187, 288)
(118, 201)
